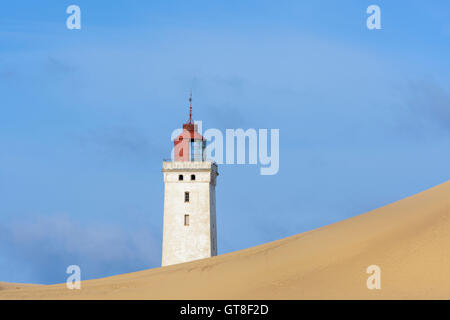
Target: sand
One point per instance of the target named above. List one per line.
(409, 240)
(10, 285)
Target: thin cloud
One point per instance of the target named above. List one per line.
(432, 101)
(47, 245)
(122, 141)
(422, 111)
(57, 66)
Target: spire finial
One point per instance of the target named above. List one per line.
(190, 107)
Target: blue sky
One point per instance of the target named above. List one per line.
(86, 117)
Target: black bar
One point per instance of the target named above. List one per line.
(226, 309)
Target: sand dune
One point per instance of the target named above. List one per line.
(9, 285)
(409, 240)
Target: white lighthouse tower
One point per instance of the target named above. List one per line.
(189, 199)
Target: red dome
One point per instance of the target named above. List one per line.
(189, 132)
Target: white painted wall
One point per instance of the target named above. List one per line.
(198, 240)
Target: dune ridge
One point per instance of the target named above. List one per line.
(409, 240)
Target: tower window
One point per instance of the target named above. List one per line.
(186, 219)
(193, 177)
(180, 177)
(186, 197)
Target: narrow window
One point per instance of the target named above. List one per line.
(186, 197)
(193, 177)
(186, 219)
(180, 177)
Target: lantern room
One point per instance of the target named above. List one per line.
(190, 144)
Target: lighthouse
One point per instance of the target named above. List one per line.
(190, 229)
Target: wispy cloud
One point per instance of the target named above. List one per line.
(122, 141)
(423, 111)
(57, 66)
(47, 245)
(432, 101)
